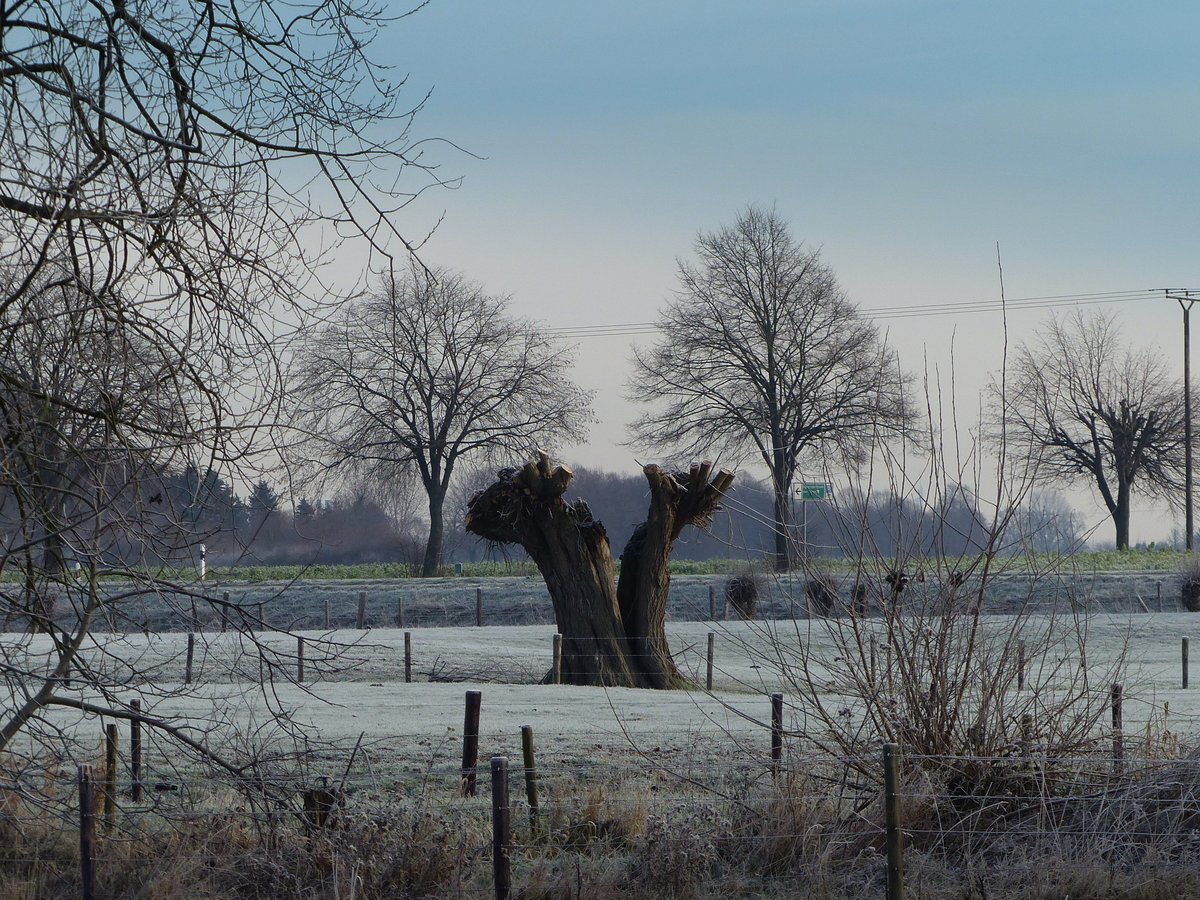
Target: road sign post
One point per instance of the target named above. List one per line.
(810, 491)
(815, 490)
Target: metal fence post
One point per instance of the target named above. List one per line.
(893, 836)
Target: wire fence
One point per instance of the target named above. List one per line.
(414, 603)
(653, 824)
(742, 797)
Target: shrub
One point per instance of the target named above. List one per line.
(821, 588)
(1189, 591)
(741, 594)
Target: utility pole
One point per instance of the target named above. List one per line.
(1186, 299)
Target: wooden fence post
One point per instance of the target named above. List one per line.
(262, 617)
(224, 611)
(362, 610)
(87, 831)
(1184, 648)
(556, 660)
(328, 616)
(300, 660)
(531, 791)
(712, 639)
(1021, 666)
(195, 617)
(894, 836)
(776, 734)
(135, 748)
(400, 611)
(470, 758)
(501, 841)
(408, 657)
(478, 607)
(712, 603)
(191, 655)
(1118, 737)
(110, 777)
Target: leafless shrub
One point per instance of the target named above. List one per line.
(676, 852)
(972, 699)
(821, 588)
(1190, 582)
(742, 593)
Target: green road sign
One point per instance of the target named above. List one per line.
(816, 490)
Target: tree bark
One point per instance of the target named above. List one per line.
(783, 537)
(1120, 514)
(613, 631)
(433, 545)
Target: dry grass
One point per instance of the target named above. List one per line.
(814, 833)
(1012, 826)
(403, 851)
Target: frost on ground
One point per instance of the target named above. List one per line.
(354, 684)
(524, 600)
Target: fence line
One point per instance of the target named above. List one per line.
(213, 606)
(1147, 814)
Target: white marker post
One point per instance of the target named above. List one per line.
(203, 564)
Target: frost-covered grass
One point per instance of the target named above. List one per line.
(644, 793)
(354, 680)
(1153, 558)
(1141, 559)
(524, 600)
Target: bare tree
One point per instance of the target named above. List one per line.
(763, 354)
(173, 176)
(63, 463)
(430, 372)
(1084, 407)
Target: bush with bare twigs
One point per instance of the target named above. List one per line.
(742, 593)
(1189, 590)
(821, 589)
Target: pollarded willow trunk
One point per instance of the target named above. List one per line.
(613, 631)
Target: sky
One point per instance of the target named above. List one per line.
(910, 142)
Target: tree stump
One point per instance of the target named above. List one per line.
(613, 630)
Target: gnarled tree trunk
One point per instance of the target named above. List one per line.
(613, 630)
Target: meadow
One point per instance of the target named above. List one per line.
(642, 793)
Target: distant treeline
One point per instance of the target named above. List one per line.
(183, 510)
(356, 528)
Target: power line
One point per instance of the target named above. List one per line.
(904, 311)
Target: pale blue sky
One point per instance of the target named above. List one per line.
(904, 139)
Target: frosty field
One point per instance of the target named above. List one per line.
(354, 683)
(665, 793)
(523, 600)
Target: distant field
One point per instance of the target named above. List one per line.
(523, 600)
(1152, 559)
(1162, 560)
(686, 760)
(355, 682)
